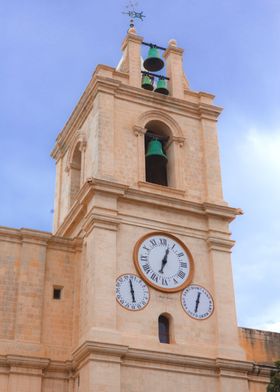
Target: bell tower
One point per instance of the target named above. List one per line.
(138, 182)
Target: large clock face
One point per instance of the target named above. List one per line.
(163, 261)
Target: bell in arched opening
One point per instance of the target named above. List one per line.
(156, 161)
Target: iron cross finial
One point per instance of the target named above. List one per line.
(132, 13)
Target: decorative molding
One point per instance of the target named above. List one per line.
(117, 85)
(79, 208)
(139, 131)
(40, 238)
(218, 210)
(134, 357)
(231, 364)
(27, 362)
(90, 347)
(179, 140)
(162, 116)
(101, 221)
(220, 244)
(161, 188)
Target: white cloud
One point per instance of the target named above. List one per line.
(252, 177)
(261, 151)
(273, 327)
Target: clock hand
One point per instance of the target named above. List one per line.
(132, 291)
(164, 261)
(197, 302)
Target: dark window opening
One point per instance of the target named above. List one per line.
(163, 329)
(156, 158)
(57, 293)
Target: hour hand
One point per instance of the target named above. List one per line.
(131, 291)
(197, 302)
(164, 261)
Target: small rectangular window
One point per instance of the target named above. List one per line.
(57, 291)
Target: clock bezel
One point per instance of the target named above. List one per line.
(143, 276)
(124, 307)
(196, 318)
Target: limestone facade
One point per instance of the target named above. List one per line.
(84, 340)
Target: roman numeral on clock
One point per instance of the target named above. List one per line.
(153, 242)
(154, 277)
(144, 258)
(183, 265)
(146, 268)
(163, 241)
(181, 274)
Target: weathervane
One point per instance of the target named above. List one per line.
(132, 13)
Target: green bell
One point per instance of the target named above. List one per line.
(147, 83)
(153, 62)
(155, 149)
(162, 87)
(156, 163)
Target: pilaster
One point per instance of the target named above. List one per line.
(174, 70)
(131, 48)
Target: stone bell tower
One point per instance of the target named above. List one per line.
(103, 197)
(132, 292)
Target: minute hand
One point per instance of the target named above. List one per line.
(131, 291)
(164, 261)
(197, 302)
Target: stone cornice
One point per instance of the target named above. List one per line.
(27, 362)
(151, 194)
(37, 237)
(220, 244)
(135, 357)
(101, 221)
(79, 208)
(160, 188)
(180, 106)
(89, 347)
(167, 198)
(37, 365)
(230, 364)
(126, 354)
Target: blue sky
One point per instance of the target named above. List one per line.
(49, 50)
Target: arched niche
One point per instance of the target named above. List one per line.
(165, 328)
(75, 173)
(75, 166)
(163, 126)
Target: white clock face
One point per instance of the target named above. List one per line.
(131, 292)
(197, 302)
(163, 261)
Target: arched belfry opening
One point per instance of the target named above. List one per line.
(157, 141)
(75, 173)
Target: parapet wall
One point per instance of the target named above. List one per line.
(260, 346)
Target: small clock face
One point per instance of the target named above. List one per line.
(131, 292)
(163, 261)
(197, 302)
